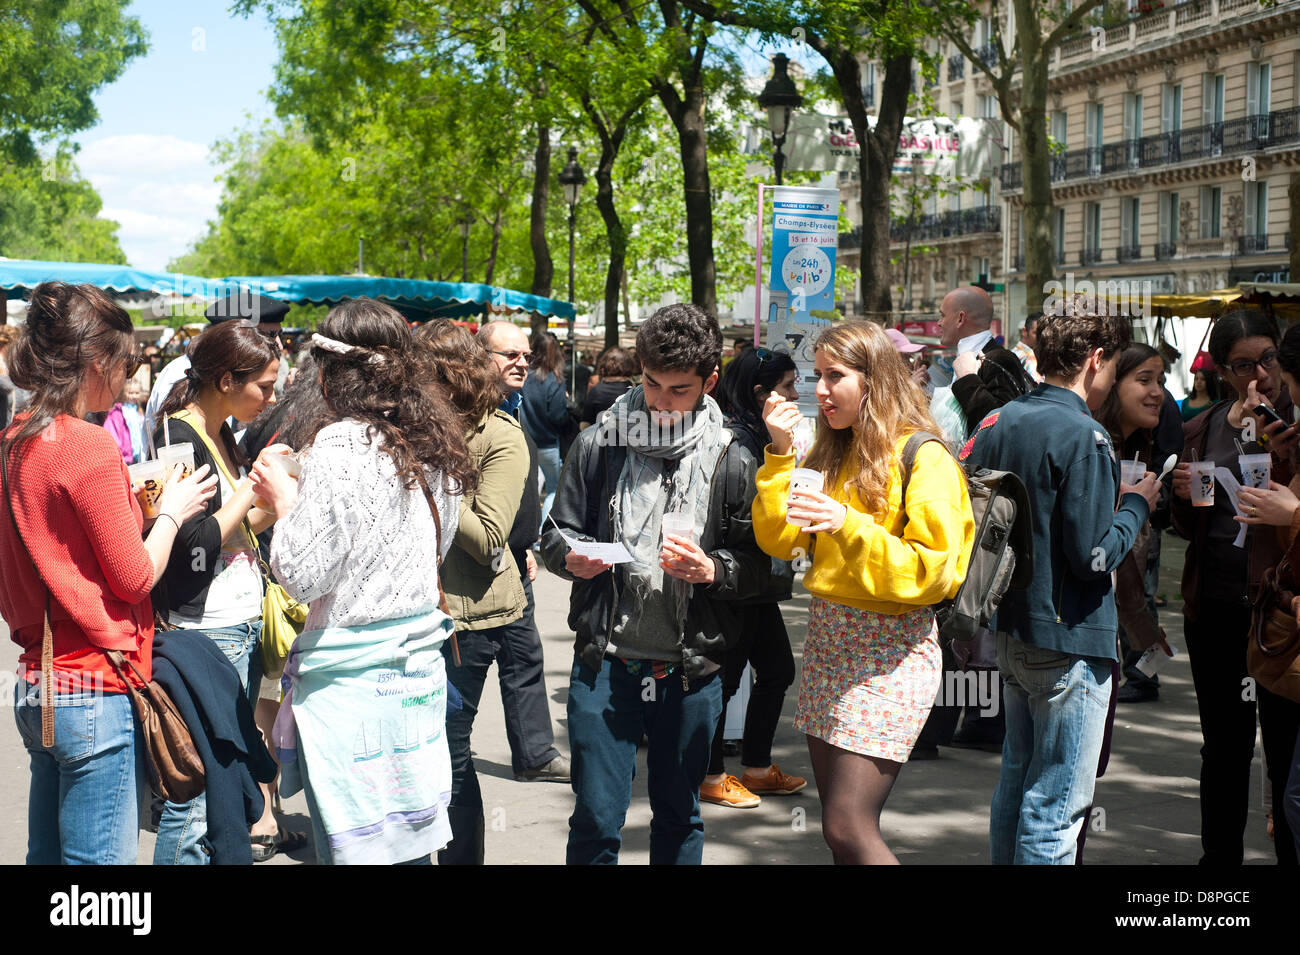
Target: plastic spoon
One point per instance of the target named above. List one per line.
(1170, 463)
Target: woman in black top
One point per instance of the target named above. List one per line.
(762, 641)
(615, 369)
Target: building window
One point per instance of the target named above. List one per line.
(987, 107)
(1167, 225)
(1211, 197)
(1256, 209)
(869, 84)
(1091, 233)
(1094, 117)
(1058, 236)
(1171, 107)
(1259, 81)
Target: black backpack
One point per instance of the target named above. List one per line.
(1002, 554)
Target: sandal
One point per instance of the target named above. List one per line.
(264, 847)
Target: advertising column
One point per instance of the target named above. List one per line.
(802, 279)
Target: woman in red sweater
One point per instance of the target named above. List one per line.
(71, 543)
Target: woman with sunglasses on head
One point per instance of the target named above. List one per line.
(1221, 579)
(359, 537)
(71, 554)
(762, 641)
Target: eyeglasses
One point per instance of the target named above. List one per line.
(1245, 367)
(513, 356)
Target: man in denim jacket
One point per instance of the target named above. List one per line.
(1056, 639)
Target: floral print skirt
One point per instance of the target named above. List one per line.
(869, 679)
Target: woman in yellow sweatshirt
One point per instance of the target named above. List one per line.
(871, 659)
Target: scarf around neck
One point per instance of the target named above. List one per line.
(644, 493)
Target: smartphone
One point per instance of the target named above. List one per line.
(1262, 410)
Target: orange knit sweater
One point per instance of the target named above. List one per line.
(73, 502)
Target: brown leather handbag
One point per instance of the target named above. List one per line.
(175, 768)
(1273, 650)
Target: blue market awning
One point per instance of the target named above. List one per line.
(22, 275)
(416, 297)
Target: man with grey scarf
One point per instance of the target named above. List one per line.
(652, 633)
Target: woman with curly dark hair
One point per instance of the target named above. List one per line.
(360, 536)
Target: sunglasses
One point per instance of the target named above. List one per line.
(133, 363)
(513, 356)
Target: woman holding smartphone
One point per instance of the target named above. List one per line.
(1221, 579)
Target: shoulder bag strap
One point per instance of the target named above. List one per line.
(47, 639)
(442, 596)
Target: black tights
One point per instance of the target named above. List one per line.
(853, 789)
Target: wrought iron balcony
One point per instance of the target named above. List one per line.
(1165, 250)
(988, 54)
(944, 225)
(1128, 253)
(1245, 135)
(851, 239)
(956, 67)
(1090, 256)
(1252, 244)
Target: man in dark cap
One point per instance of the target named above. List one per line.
(266, 313)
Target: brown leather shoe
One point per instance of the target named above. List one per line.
(729, 792)
(773, 783)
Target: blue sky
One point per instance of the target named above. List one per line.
(206, 72)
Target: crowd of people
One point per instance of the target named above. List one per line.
(321, 583)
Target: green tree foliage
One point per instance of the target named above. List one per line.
(54, 54)
(48, 211)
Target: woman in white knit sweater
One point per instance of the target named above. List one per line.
(358, 538)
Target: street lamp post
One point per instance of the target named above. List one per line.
(571, 179)
(464, 224)
(780, 97)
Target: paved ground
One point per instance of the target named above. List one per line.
(938, 812)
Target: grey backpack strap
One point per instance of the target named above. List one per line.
(908, 460)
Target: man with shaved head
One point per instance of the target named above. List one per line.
(985, 375)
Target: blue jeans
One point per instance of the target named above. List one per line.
(608, 712)
(183, 829)
(82, 807)
(549, 461)
(1056, 718)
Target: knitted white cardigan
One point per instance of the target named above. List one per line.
(358, 546)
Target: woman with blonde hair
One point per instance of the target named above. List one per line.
(884, 547)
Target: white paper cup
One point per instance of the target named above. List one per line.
(803, 479)
(1255, 469)
(1202, 473)
(679, 524)
(182, 454)
(147, 479)
(1130, 472)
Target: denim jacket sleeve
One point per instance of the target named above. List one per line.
(1095, 535)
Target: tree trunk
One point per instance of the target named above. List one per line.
(617, 238)
(543, 266)
(1036, 167)
(492, 255)
(688, 118)
(875, 164)
(627, 303)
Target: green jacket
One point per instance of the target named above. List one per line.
(479, 574)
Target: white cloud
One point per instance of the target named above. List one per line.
(161, 189)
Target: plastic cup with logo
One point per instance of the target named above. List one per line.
(679, 524)
(147, 480)
(1255, 469)
(1131, 472)
(803, 479)
(181, 453)
(1202, 491)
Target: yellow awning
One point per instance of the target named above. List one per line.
(1196, 304)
